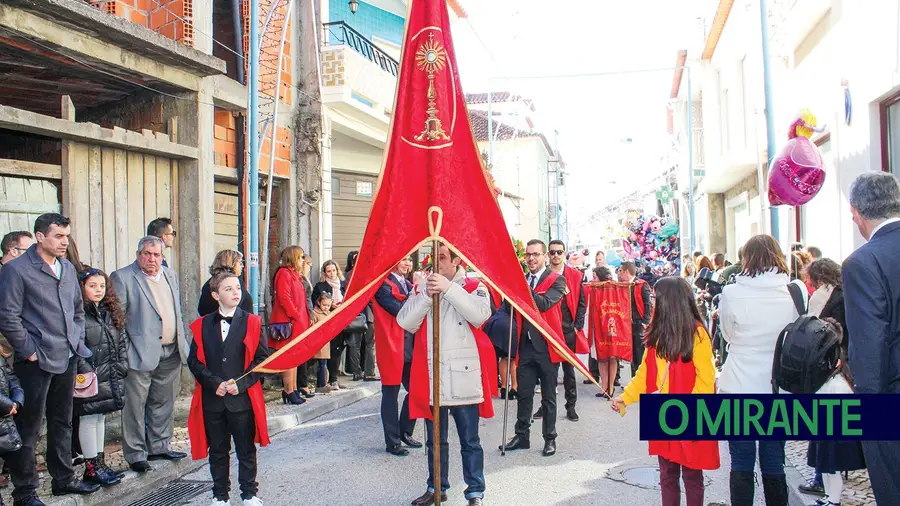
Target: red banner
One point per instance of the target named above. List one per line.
(433, 186)
(609, 319)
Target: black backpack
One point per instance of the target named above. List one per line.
(806, 353)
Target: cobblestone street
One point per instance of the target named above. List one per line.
(857, 491)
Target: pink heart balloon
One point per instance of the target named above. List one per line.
(797, 173)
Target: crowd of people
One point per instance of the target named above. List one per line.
(80, 344)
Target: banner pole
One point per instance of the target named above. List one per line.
(512, 312)
(436, 377)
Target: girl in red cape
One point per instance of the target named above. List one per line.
(679, 360)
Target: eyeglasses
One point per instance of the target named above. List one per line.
(557, 252)
(20, 249)
(533, 255)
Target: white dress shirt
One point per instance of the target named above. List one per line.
(533, 280)
(882, 225)
(225, 325)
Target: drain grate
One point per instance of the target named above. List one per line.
(646, 477)
(174, 494)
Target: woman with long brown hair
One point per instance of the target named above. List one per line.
(754, 310)
(290, 311)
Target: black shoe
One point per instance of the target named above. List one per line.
(427, 499)
(169, 455)
(141, 467)
(95, 473)
(77, 487)
(306, 393)
(588, 382)
(539, 413)
(357, 377)
(513, 394)
(371, 378)
(410, 442)
(29, 501)
(397, 450)
(571, 414)
(549, 448)
(812, 488)
(502, 393)
(516, 443)
(291, 398)
(476, 501)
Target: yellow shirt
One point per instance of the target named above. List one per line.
(704, 365)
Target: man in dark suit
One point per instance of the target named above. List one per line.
(548, 289)
(871, 279)
(640, 312)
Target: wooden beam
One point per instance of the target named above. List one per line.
(90, 133)
(29, 169)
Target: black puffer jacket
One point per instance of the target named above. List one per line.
(107, 343)
(10, 392)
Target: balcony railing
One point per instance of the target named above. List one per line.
(340, 33)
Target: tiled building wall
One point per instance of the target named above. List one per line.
(368, 20)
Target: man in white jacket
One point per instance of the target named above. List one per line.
(461, 386)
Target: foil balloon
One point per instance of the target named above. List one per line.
(797, 172)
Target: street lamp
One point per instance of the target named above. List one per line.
(354, 5)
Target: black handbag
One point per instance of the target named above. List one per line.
(358, 324)
(279, 331)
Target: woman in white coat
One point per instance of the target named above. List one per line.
(754, 310)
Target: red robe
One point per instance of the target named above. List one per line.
(420, 380)
(389, 339)
(691, 454)
(552, 316)
(574, 280)
(196, 426)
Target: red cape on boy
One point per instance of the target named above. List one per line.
(196, 426)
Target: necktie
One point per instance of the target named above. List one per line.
(226, 319)
(531, 278)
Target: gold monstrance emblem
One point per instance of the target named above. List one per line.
(432, 58)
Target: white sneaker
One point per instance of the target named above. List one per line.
(217, 502)
(253, 501)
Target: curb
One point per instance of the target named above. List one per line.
(134, 486)
(795, 479)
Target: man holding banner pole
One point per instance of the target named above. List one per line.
(460, 365)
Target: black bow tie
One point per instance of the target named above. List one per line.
(219, 317)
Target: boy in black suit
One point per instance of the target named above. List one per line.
(228, 403)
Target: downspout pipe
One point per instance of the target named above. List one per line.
(253, 138)
(770, 121)
(238, 40)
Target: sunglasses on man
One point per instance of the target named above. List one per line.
(557, 252)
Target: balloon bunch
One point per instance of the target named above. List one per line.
(797, 173)
(651, 239)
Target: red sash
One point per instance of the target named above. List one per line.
(196, 426)
(574, 281)
(552, 316)
(389, 340)
(420, 379)
(639, 295)
(702, 455)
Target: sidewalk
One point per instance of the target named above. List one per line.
(281, 417)
(857, 490)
